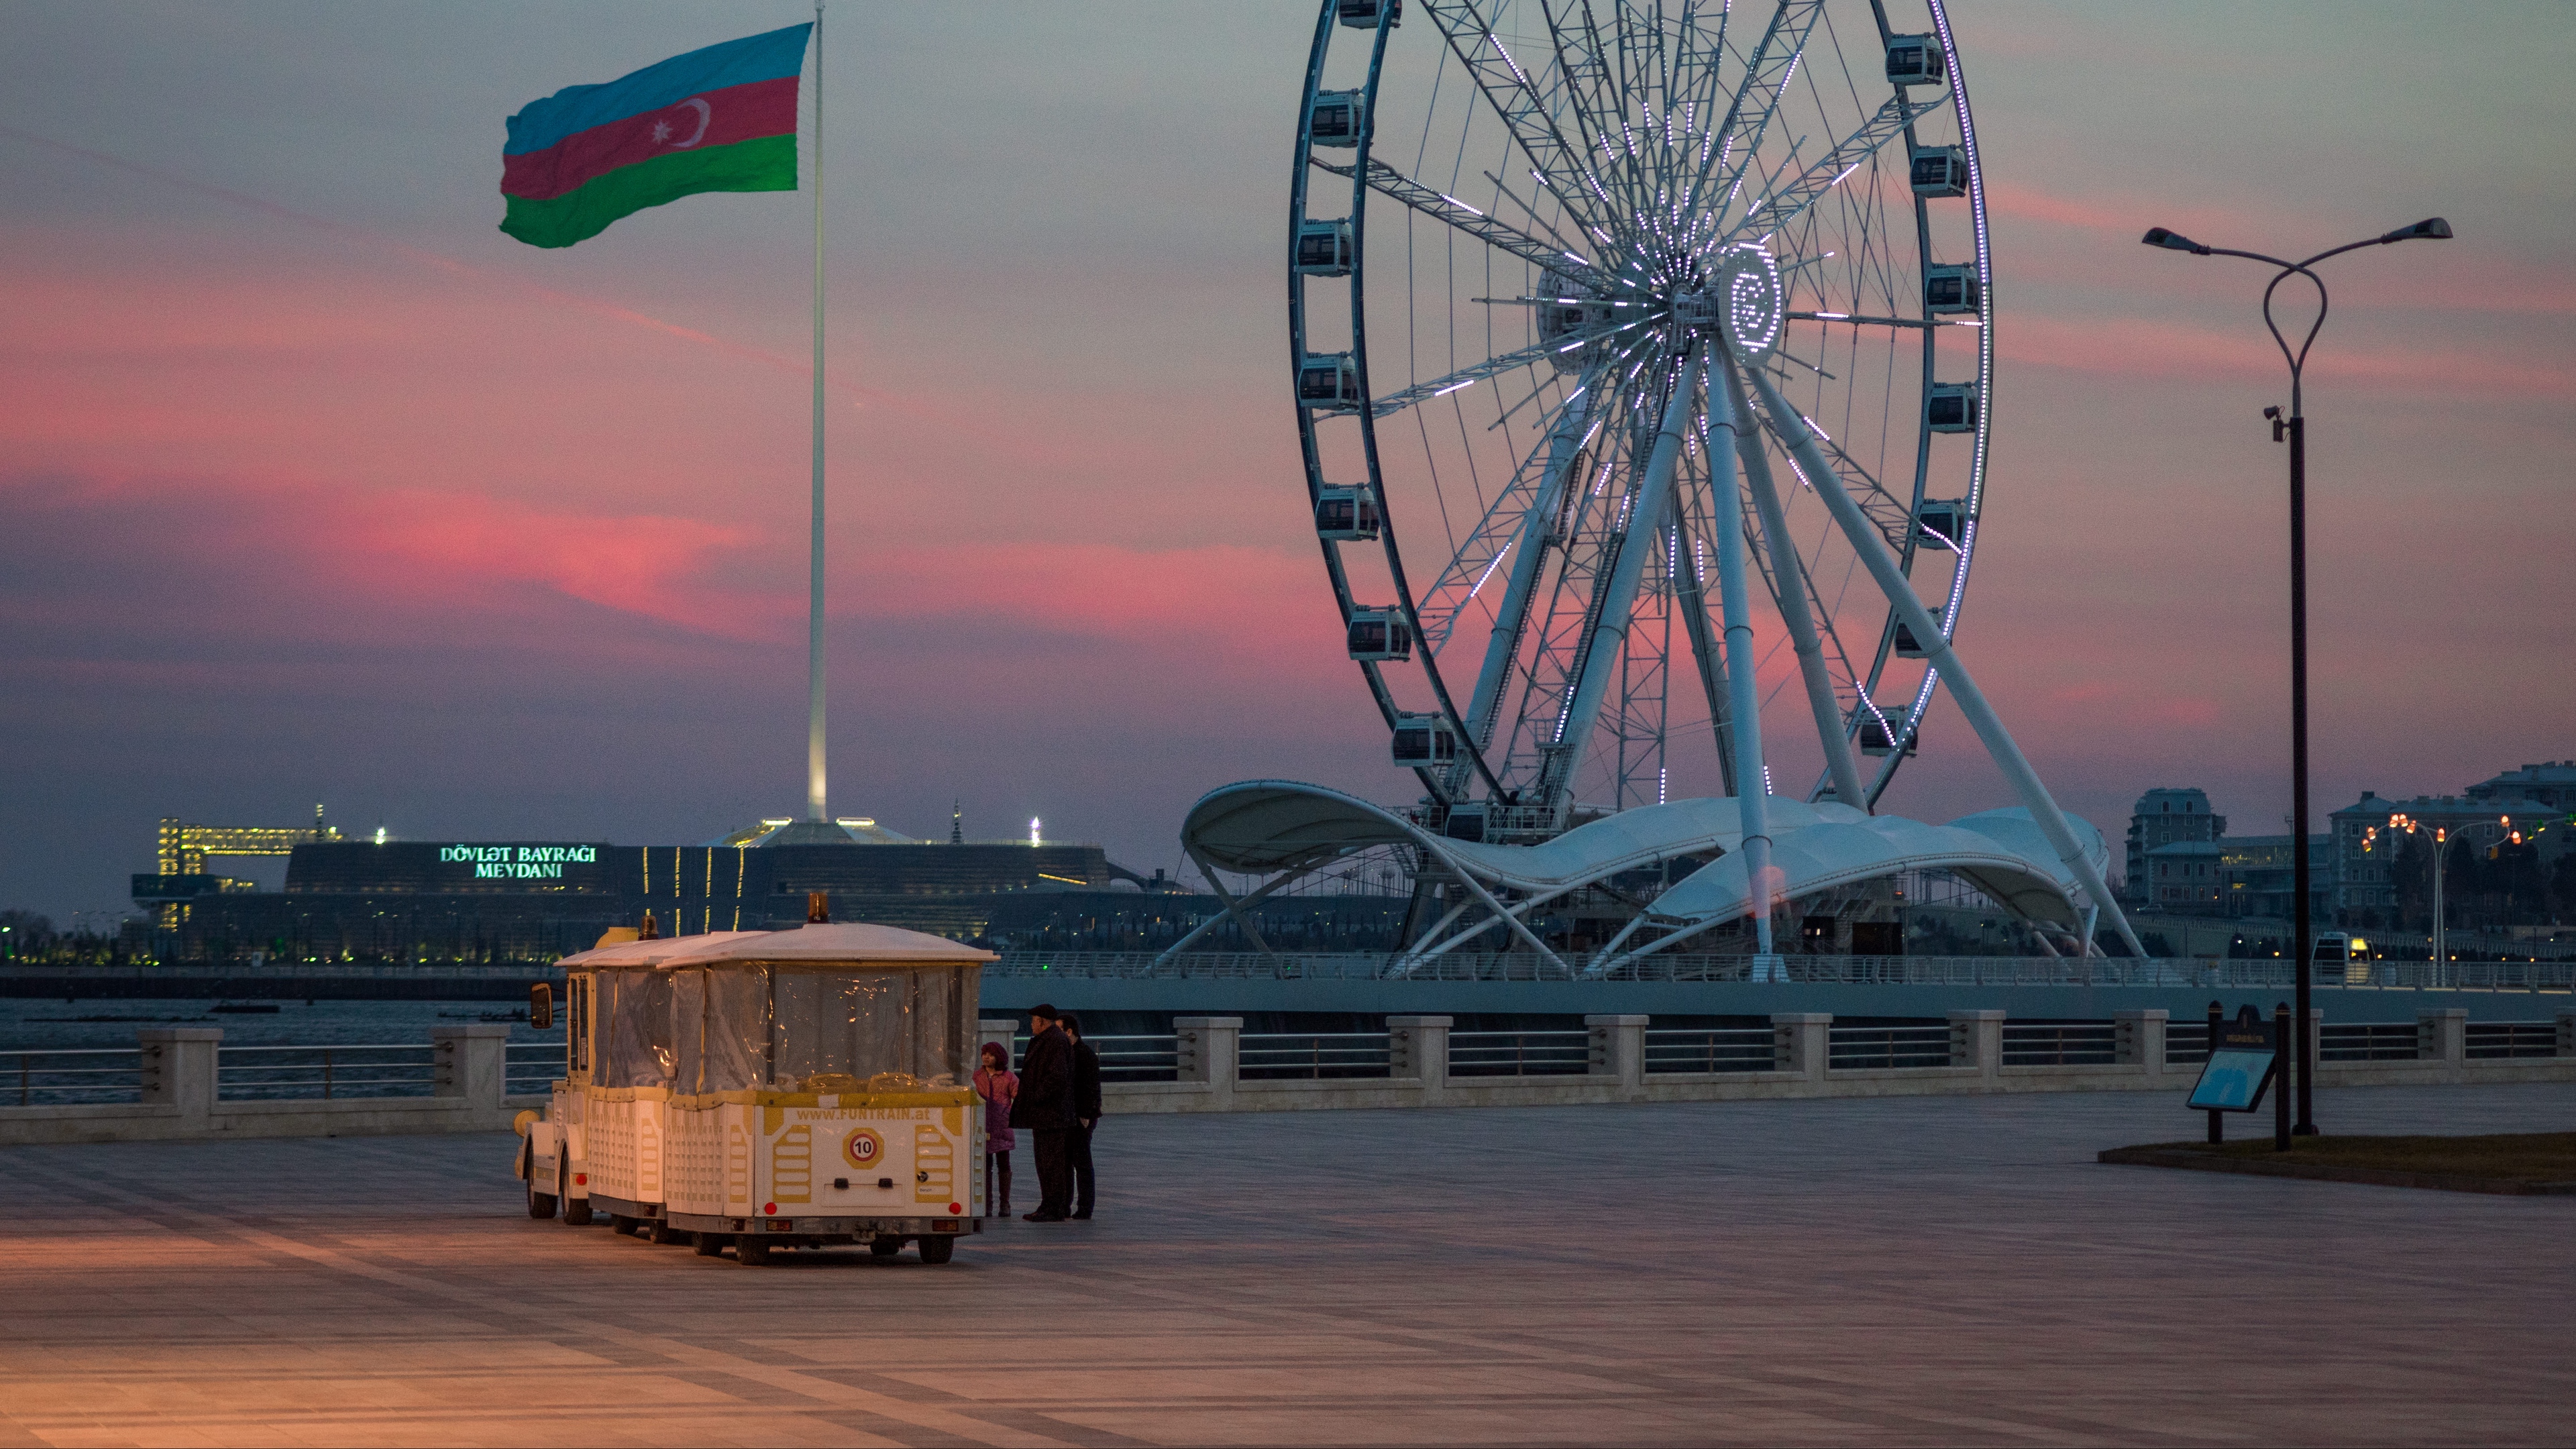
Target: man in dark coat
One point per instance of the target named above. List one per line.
(1086, 1114)
(1045, 1107)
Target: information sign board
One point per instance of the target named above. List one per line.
(2242, 1062)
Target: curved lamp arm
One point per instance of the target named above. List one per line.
(2432, 228)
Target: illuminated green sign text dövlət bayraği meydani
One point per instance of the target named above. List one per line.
(518, 862)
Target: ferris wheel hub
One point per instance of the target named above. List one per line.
(1744, 300)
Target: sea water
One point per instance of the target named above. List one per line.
(51, 1023)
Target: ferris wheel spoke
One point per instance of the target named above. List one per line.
(1611, 94)
(1389, 182)
(1892, 517)
(1699, 73)
(1757, 101)
(1537, 221)
(1506, 523)
(1584, 81)
(1783, 205)
(1857, 320)
(1524, 110)
(1469, 376)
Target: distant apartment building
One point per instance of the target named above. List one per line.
(2163, 818)
(2239, 875)
(2536, 801)
(2257, 876)
(2183, 875)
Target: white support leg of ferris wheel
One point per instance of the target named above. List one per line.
(1744, 700)
(1890, 574)
(1619, 595)
(1529, 547)
(1791, 580)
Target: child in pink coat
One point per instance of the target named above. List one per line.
(999, 1086)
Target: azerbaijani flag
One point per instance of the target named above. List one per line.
(718, 119)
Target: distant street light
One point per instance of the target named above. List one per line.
(2296, 429)
(2441, 847)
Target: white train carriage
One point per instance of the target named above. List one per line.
(768, 1089)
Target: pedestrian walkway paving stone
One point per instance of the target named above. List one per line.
(1878, 1271)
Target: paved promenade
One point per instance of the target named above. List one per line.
(1899, 1271)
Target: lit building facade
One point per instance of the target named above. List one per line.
(2536, 801)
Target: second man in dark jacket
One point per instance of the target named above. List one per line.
(1086, 1115)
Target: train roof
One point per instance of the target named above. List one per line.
(648, 953)
(814, 945)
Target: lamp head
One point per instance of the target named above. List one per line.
(2173, 241)
(2431, 228)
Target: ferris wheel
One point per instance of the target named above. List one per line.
(1585, 296)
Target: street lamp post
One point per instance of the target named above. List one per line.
(2441, 848)
(2295, 429)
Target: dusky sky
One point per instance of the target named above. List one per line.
(314, 486)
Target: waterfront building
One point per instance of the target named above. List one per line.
(2164, 817)
(2257, 876)
(2182, 875)
(2536, 802)
(389, 900)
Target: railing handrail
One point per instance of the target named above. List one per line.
(70, 1051)
(334, 1046)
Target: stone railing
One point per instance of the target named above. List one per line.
(1802, 1055)
(2199, 973)
(174, 1083)
(179, 1087)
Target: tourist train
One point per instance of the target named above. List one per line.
(762, 1090)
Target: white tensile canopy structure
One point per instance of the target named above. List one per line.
(1287, 830)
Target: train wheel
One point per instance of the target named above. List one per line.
(658, 1232)
(709, 1245)
(576, 1209)
(749, 1253)
(938, 1248)
(540, 1204)
(885, 1247)
(620, 1224)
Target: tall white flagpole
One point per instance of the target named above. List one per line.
(814, 784)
